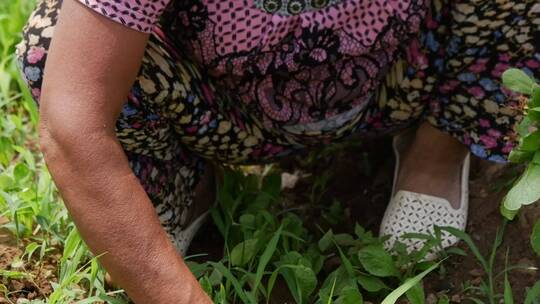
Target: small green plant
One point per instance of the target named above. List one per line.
(486, 291)
(265, 246)
(525, 191)
(487, 285)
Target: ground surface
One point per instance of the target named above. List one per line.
(360, 178)
(362, 181)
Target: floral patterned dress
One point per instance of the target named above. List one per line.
(250, 80)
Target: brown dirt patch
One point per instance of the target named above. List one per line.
(40, 274)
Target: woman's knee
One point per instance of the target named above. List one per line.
(31, 52)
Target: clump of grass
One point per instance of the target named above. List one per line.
(264, 245)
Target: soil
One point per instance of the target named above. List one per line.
(362, 180)
(42, 273)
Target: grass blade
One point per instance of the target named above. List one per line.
(265, 258)
(467, 239)
(332, 291)
(508, 296)
(236, 285)
(401, 290)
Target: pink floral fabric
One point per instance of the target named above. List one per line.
(140, 15)
(310, 68)
(312, 71)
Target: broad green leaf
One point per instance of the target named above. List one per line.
(346, 262)
(530, 142)
(315, 258)
(244, 252)
(371, 283)
(306, 280)
(6, 182)
(536, 157)
(443, 300)
(285, 266)
(215, 278)
(247, 220)
(291, 257)
(197, 269)
(20, 171)
(534, 101)
(535, 238)
(349, 295)
(326, 241)
(416, 295)
(377, 261)
(335, 282)
(519, 156)
(533, 295)
(359, 231)
(516, 80)
(533, 114)
(408, 284)
(526, 190)
(524, 127)
(343, 239)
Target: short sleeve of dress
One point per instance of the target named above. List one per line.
(140, 15)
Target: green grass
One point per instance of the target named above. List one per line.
(265, 248)
(37, 218)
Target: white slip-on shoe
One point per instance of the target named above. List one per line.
(410, 212)
(184, 236)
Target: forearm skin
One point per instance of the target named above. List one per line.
(115, 216)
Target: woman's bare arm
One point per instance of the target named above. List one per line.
(91, 65)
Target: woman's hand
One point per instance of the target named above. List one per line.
(91, 66)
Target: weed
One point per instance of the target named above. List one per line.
(524, 191)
